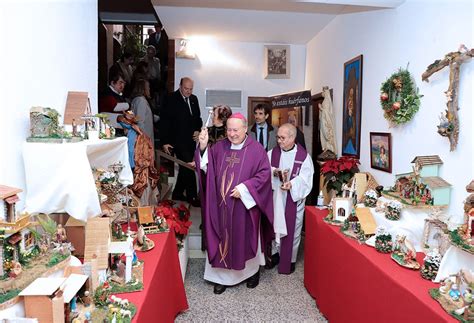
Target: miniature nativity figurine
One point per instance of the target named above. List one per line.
(142, 243)
(404, 253)
(455, 295)
(463, 236)
(423, 186)
(61, 236)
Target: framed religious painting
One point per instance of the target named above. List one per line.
(352, 107)
(277, 62)
(381, 151)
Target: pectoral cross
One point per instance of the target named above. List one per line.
(449, 122)
(232, 159)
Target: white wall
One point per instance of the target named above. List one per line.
(418, 33)
(237, 66)
(50, 48)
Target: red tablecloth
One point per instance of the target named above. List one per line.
(163, 296)
(355, 283)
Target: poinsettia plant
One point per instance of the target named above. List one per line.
(177, 218)
(338, 172)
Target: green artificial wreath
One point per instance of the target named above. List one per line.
(399, 98)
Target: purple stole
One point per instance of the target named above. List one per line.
(286, 244)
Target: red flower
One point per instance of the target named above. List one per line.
(177, 218)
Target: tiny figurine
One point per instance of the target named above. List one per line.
(60, 234)
(467, 296)
(142, 243)
(431, 263)
(87, 316)
(446, 285)
(86, 299)
(75, 133)
(73, 304)
(370, 198)
(393, 210)
(383, 240)
(404, 253)
(454, 292)
(119, 267)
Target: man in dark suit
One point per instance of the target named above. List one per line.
(180, 124)
(159, 40)
(262, 131)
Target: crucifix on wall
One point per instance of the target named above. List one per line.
(449, 120)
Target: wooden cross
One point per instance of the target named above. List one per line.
(449, 122)
(232, 159)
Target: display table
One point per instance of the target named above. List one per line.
(59, 177)
(163, 296)
(355, 283)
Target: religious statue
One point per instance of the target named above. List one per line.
(326, 123)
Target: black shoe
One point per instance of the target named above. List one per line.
(292, 267)
(219, 289)
(195, 202)
(272, 261)
(253, 281)
(178, 197)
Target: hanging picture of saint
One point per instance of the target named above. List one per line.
(352, 104)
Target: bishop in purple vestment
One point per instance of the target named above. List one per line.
(238, 208)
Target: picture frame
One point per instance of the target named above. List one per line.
(277, 61)
(292, 115)
(352, 107)
(381, 151)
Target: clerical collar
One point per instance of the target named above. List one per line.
(239, 146)
(290, 149)
(112, 88)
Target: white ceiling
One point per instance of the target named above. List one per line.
(269, 21)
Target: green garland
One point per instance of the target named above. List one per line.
(399, 98)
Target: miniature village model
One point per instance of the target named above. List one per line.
(456, 295)
(24, 254)
(423, 186)
(463, 237)
(404, 253)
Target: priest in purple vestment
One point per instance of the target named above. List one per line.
(293, 172)
(238, 205)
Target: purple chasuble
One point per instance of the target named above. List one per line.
(286, 245)
(231, 229)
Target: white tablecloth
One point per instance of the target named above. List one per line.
(411, 224)
(59, 176)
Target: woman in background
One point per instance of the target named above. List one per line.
(217, 131)
(141, 108)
